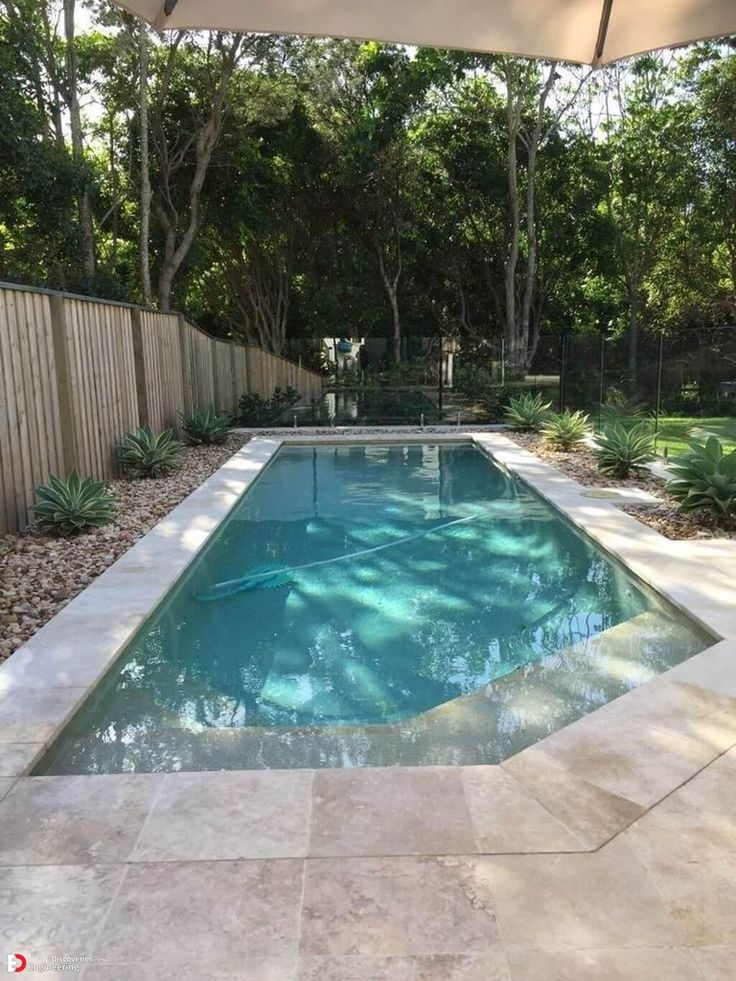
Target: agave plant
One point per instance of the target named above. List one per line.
(148, 454)
(619, 405)
(620, 449)
(566, 430)
(705, 480)
(203, 427)
(528, 412)
(72, 505)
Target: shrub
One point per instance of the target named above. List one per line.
(619, 405)
(704, 479)
(620, 449)
(528, 412)
(566, 430)
(493, 400)
(257, 411)
(203, 427)
(73, 505)
(148, 454)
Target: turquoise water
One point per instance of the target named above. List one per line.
(467, 582)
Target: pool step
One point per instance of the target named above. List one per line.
(485, 726)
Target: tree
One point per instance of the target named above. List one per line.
(196, 80)
(75, 121)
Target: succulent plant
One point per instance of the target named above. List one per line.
(148, 454)
(704, 479)
(73, 505)
(528, 412)
(203, 427)
(566, 429)
(620, 449)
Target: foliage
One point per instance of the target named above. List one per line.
(305, 187)
(257, 411)
(620, 405)
(566, 430)
(73, 505)
(619, 449)
(148, 454)
(704, 479)
(527, 412)
(418, 371)
(203, 427)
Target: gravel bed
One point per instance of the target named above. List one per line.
(580, 464)
(40, 573)
(666, 518)
(669, 521)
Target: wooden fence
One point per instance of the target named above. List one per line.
(76, 374)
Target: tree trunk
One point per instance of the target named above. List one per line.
(75, 121)
(145, 188)
(530, 279)
(513, 118)
(391, 287)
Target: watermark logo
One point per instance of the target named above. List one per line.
(16, 963)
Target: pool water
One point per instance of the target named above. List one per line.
(474, 621)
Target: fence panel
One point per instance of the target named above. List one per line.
(225, 396)
(198, 348)
(162, 369)
(240, 370)
(99, 344)
(268, 371)
(30, 435)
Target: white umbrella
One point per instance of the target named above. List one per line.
(587, 31)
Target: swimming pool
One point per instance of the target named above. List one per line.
(375, 605)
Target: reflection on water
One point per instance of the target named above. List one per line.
(460, 645)
(366, 407)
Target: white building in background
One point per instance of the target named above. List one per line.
(345, 352)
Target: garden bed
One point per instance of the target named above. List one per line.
(40, 573)
(666, 518)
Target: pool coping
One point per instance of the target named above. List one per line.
(674, 725)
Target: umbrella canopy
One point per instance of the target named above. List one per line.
(587, 31)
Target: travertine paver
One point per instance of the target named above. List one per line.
(79, 820)
(390, 811)
(228, 815)
(15, 758)
(637, 964)
(237, 917)
(507, 817)
(396, 906)
(52, 910)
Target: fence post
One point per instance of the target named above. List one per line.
(601, 380)
(139, 367)
(563, 369)
(186, 364)
(64, 384)
(658, 406)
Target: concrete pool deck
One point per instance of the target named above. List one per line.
(606, 850)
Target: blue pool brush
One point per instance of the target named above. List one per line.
(274, 576)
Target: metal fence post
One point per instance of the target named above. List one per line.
(601, 385)
(563, 369)
(658, 405)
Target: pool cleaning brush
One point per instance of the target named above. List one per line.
(275, 576)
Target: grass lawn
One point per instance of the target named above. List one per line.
(674, 429)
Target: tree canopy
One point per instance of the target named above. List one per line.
(276, 187)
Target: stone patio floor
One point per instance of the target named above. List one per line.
(399, 880)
